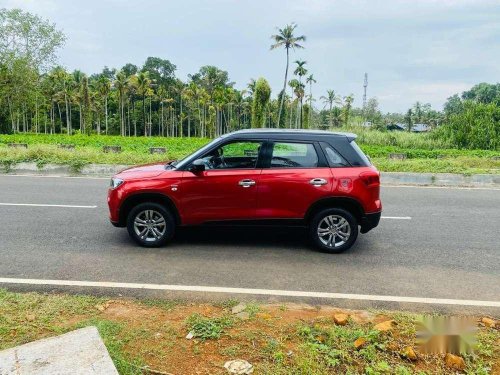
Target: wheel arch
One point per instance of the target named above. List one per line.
(349, 204)
(147, 197)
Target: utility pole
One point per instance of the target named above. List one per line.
(365, 85)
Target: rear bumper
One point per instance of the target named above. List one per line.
(116, 223)
(370, 221)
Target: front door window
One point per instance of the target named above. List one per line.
(236, 155)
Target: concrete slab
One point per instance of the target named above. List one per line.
(79, 352)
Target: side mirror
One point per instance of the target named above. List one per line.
(197, 166)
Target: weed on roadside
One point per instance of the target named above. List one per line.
(208, 328)
(227, 304)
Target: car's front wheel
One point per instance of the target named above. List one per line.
(150, 224)
(333, 230)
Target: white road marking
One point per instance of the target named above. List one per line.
(440, 187)
(267, 292)
(45, 205)
(54, 176)
(396, 217)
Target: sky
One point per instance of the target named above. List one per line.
(425, 50)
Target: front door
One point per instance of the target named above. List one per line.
(227, 189)
(296, 177)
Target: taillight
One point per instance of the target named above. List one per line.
(371, 179)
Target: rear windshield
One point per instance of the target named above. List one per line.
(360, 153)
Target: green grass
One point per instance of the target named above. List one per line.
(424, 152)
(208, 328)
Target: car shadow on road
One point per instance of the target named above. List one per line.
(295, 237)
(230, 238)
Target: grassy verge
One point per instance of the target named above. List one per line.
(43, 149)
(276, 339)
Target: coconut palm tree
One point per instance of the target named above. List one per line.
(310, 80)
(104, 88)
(293, 83)
(300, 71)
(347, 108)
(286, 38)
(86, 107)
(299, 91)
(78, 81)
(142, 84)
(251, 86)
(329, 100)
(335, 116)
(121, 84)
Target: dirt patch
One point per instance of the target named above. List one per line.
(275, 338)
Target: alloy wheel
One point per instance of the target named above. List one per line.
(150, 225)
(333, 231)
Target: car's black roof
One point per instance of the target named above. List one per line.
(303, 134)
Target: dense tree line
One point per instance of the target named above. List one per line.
(38, 96)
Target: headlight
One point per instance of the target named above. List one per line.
(115, 182)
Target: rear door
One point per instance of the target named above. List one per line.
(296, 175)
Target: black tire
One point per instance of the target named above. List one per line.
(336, 215)
(151, 213)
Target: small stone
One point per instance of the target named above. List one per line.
(409, 353)
(454, 361)
(243, 315)
(488, 322)
(190, 335)
(239, 367)
(385, 326)
(340, 319)
(359, 343)
(30, 317)
(290, 353)
(239, 308)
(158, 335)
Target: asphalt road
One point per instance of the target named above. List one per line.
(449, 249)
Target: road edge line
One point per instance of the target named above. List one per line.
(269, 292)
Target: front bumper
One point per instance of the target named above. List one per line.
(370, 221)
(116, 223)
(113, 205)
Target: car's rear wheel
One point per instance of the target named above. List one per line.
(150, 224)
(333, 230)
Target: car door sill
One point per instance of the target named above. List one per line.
(258, 223)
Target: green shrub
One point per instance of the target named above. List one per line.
(477, 126)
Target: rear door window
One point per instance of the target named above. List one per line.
(294, 155)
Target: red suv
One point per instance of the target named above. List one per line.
(317, 179)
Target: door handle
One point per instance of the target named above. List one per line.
(246, 183)
(318, 181)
